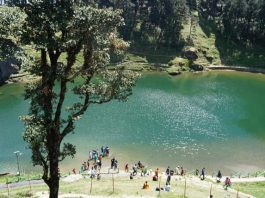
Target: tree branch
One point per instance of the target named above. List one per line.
(70, 124)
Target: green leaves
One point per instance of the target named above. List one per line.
(63, 32)
(11, 23)
(67, 150)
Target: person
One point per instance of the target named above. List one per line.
(85, 166)
(82, 168)
(90, 156)
(139, 165)
(203, 174)
(88, 164)
(168, 170)
(107, 151)
(197, 172)
(167, 188)
(126, 168)
(74, 171)
(99, 164)
(98, 176)
(131, 176)
(227, 183)
(156, 172)
(102, 150)
(219, 176)
(115, 164)
(181, 171)
(100, 157)
(93, 173)
(146, 185)
(145, 171)
(168, 180)
(155, 177)
(94, 155)
(112, 163)
(142, 170)
(171, 172)
(178, 170)
(135, 170)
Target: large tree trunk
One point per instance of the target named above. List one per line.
(54, 151)
(54, 175)
(54, 181)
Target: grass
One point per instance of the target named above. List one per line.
(256, 189)
(154, 54)
(14, 178)
(232, 52)
(215, 49)
(204, 43)
(124, 187)
(212, 49)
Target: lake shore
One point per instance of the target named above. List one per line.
(119, 185)
(26, 77)
(236, 68)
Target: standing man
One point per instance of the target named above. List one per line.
(203, 174)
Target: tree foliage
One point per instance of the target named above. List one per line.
(243, 20)
(157, 21)
(53, 29)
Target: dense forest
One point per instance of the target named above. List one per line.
(242, 20)
(161, 21)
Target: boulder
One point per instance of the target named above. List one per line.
(173, 71)
(182, 62)
(197, 67)
(191, 53)
(7, 68)
(209, 58)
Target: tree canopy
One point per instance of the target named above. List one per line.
(64, 28)
(242, 20)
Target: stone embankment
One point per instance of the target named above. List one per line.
(237, 68)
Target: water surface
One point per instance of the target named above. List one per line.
(213, 120)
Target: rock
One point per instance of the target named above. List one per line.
(209, 58)
(7, 68)
(191, 53)
(182, 62)
(173, 71)
(197, 67)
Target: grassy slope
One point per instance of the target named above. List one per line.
(212, 49)
(210, 45)
(230, 52)
(256, 189)
(125, 187)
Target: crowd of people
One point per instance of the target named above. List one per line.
(179, 170)
(94, 164)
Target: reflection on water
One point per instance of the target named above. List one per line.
(197, 120)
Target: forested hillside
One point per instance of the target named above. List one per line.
(161, 32)
(229, 32)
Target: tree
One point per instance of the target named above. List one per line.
(241, 20)
(55, 28)
(151, 20)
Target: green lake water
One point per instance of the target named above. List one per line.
(214, 120)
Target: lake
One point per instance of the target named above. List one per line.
(214, 120)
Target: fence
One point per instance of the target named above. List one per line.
(29, 183)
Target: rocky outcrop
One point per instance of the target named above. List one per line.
(191, 53)
(7, 68)
(174, 70)
(182, 62)
(196, 67)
